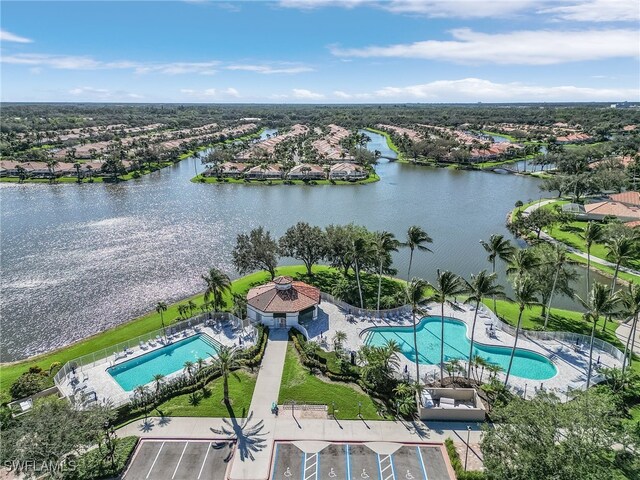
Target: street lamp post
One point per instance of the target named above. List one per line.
(360, 409)
(334, 409)
(466, 455)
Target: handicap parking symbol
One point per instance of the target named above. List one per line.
(409, 475)
(287, 472)
(364, 473)
(332, 473)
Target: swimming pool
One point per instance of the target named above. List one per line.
(526, 364)
(165, 360)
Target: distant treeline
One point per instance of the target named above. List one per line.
(21, 118)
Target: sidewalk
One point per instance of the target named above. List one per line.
(575, 251)
(623, 332)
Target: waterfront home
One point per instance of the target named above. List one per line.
(283, 303)
(273, 171)
(631, 199)
(574, 137)
(226, 169)
(347, 171)
(600, 210)
(36, 169)
(9, 168)
(305, 171)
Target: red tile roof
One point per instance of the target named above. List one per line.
(630, 198)
(271, 299)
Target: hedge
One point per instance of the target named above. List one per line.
(458, 467)
(92, 464)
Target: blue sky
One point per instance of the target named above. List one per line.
(321, 51)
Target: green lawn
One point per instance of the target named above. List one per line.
(209, 403)
(373, 177)
(141, 325)
(302, 387)
(559, 320)
(390, 143)
(569, 234)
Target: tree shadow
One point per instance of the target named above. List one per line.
(250, 438)
(195, 399)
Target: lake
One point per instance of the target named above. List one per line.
(77, 259)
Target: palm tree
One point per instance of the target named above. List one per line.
(525, 292)
(141, 393)
(416, 238)
(522, 262)
(189, 368)
(630, 299)
(448, 285)
(161, 307)
(620, 249)
(338, 340)
(158, 379)
(385, 243)
(559, 260)
(593, 233)
(218, 283)
(226, 361)
(600, 302)
(360, 250)
(497, 247)
(481, 285)
(415, 292)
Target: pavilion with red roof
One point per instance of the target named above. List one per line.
(283, 303)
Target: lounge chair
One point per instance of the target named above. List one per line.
(143, 345)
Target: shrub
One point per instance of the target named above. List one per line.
(456, 463)
(93, 465)
(29, 383)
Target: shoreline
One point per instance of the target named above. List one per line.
(372, 178)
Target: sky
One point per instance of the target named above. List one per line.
(320, 51)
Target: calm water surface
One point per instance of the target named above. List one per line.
(77, 259)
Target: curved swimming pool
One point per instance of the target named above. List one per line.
(526, 364)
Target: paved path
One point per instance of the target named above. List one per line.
(623, 332)
(581, 254)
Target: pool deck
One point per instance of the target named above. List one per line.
(97, 379)
(572, 365)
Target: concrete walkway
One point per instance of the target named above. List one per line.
(579, 253)
(623, 332)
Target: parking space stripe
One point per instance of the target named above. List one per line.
(384, 464)
(179, 460)
(348, 463)
(204, 461)
(424, 469)
(155, 460)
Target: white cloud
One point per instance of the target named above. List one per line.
(70, 62)
(341, 94)
(268, 70)
(93, 93)
(597, 11)
(536, 47)
(476, 89)
(305, 94)
(11, 37)
(459, 8)
(210, 93)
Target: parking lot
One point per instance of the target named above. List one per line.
(359, 462)
(181, 460)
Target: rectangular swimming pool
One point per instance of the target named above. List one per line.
(166, 360)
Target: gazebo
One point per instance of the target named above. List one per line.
(283, 303)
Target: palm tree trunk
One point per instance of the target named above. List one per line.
(441, 342)
(495, 307)
(588, 270)
(410, 261)
(553, 289)
(632, 335)
(226, 387)
(415, 345)
(379, 285)
(515, 343)
(615, 277)
(593, 333)
(473, 331)
(359, 286)
(633, 341)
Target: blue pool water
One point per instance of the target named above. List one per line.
(165, 360)
(526, 364)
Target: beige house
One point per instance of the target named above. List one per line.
(271, 171)
(347, 171)
(307, 171)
